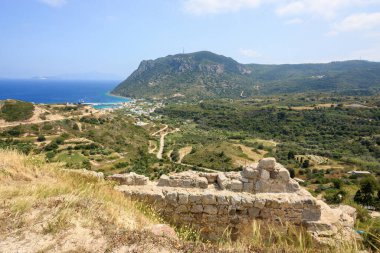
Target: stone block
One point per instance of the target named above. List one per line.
(208, 199)
(210, 209)
(267, 164)
(259, 203)
(222, 181)
(222, 200)
(163, 181)
(253, 212)
(248, 187)
(183, 198)
(284, 175)
(311, 214)
(181, 209)
(202, 182)
(171, 197)
(196, 209)
(235, 200)
(236, 185)
(265, 175)
(195, 198)
(250, 173)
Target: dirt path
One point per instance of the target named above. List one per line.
(161, 130)
(162, 145)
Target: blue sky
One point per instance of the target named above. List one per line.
(54, 37)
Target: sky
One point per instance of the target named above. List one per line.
(56, 37)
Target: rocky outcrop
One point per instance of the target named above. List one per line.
(216, 202)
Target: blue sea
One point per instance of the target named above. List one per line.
(61, 91)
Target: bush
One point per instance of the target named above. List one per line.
(41, 138)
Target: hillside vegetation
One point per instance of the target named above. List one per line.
(13, 110)
(203, 75)
(46, 209)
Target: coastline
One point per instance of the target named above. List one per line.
(118, 96)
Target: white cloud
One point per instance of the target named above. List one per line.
(200, 7)
(358, 22)
(292, 8)
(294, 21)
(249, 53)
(54, 3)
(324, 8)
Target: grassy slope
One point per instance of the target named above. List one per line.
(46, 209)
(13, 110)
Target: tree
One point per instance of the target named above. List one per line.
(292, 172)
(365, 195)
(358, 196)
(306, 164)
(291, 155)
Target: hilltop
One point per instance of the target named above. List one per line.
(207, 75)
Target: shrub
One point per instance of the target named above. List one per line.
(41, 138)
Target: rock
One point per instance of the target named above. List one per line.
(250, 173)
(253, 212)
(171, 197)
(202, 183)
(195, 198)
(267, 164)
(129, 179)
(236, 185)
(265, 175)
(211, 177)
(208, 199)
(248, 187)
(196, 209)
(260, 203)
(186, 179)
(222, 181)
(210, 209)
(222, 200)
(311, 214)
(284, 175)
(164, 230)
(183, 198)
(182, 209)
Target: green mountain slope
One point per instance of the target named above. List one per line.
(207, 75)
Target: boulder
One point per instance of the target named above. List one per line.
(267, 164)
(250, 173)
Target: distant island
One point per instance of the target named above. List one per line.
(204, 74)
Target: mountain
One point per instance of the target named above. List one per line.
(207, 75)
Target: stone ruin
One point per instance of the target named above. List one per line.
(216, 202)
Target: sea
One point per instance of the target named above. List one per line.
(95, 93)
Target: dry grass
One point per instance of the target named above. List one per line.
(43, 202)
(46, 209)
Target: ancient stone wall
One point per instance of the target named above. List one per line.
(219, 203)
